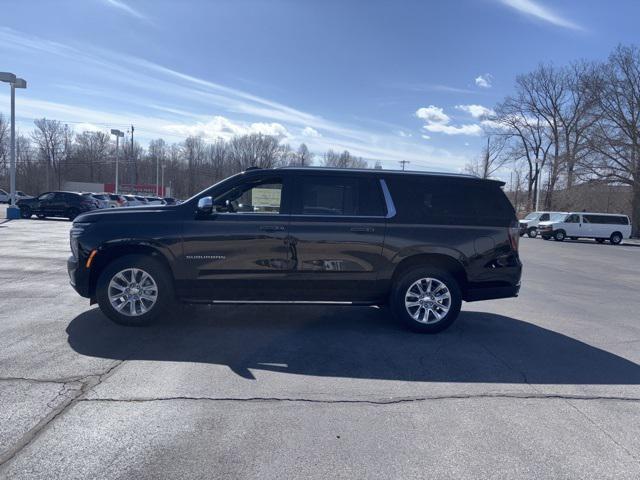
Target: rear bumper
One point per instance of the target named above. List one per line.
(491, 293)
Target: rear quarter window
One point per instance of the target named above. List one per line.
(449, 201)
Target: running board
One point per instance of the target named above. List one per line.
(277, 302)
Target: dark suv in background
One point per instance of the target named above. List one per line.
(57, 204)
(420, 242)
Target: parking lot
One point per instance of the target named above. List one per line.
(543, 386)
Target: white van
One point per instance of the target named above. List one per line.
(529, 224)
(599, 226)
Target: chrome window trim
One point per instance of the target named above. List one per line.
(391, 208)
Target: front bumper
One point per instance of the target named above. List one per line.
(78, 276)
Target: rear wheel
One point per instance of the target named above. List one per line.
(25, 212)
(426, 300)
(134, 290)
(532, 232)
(72, 213)
(560, 235)
(616, 238)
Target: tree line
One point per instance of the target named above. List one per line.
(565, 126)
(53, 153)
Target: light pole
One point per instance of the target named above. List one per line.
(163, 192)
(13, 211)
(118, 134)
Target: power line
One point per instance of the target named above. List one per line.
(403, 163)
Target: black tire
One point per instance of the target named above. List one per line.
(532, 232)
(559, 235)
(600, 240)
(405, 282)
(156, 270)
(25, 212)
(72, 213)
(615, 238)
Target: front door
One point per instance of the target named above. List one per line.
(240, 250)
(336, 236)
(573, 225)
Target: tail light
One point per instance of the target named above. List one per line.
(514, 235)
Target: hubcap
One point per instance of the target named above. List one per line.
(132, 292)
(427, 300)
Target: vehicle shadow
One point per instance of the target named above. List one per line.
(355, 342)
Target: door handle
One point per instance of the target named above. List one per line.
(272, 228)
(362, 229)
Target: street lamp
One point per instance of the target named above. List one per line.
(118, 134)
(13, 211)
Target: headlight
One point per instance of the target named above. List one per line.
(76, 231)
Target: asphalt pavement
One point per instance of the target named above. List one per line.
(546, 385)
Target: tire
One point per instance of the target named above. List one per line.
(532, 232)
(72, 213)
(600, 240)
(25, 212)
(117, 275)
(559, 235)
(615, 238)
(414, 281)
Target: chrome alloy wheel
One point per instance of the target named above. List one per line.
(427, 300)
(132, 292)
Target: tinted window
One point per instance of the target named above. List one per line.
(606, 219)
(449, 201)
(257, 196)
(339, 195)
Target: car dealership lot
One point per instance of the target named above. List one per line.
(546, 385)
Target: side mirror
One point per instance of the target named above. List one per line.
(205, 205)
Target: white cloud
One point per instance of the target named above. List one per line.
(484, 81)
(540, 12)
(222, 127)
(123, 7)
(426, 137)
(436, 121)
(476, 111)
(311, 132)
(403, 134)
(432, 115)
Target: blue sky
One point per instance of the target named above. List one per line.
(387, 80)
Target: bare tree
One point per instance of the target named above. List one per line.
(52, 140)
(305, 157)
(615, 137)
(492, 159)
(4, 147)
(343, 160)
(91, 149)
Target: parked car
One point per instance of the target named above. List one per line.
(170, 200)
(101, 199)
(529, 224)
(133, 201)
(116, 200)
(5, 197)
(155, 201)
(421, 242)
(57, 204)
(599, 226)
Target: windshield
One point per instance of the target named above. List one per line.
(558, 217)
(532, 216)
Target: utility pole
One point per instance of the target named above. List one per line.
(118, 134)
(403, 163)
(164, 193)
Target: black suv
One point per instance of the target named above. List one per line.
(57, 204)
(421, 242)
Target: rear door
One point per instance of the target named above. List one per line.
(336, 236)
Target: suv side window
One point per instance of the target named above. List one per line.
(338, 195)
(262, 196)
(46, 196)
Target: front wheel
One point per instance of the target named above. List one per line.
(532, 232)
(616, 238)
(134, 290)
(559, 235)
(426, 300)
(25, 212)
